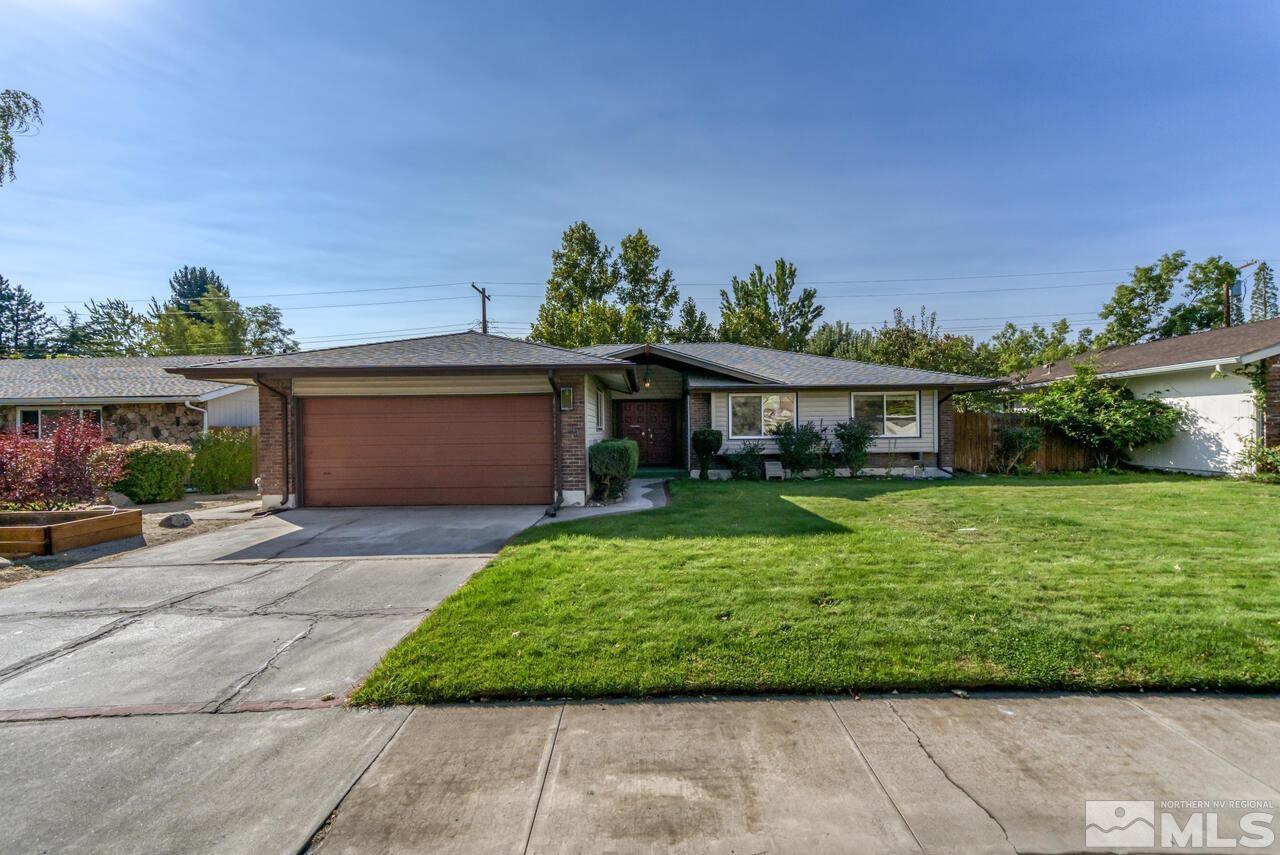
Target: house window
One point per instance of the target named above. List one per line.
(39, 422)
(599, 409)
(566, 398)
(889, 414)
(754, 416)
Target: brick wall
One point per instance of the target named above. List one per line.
(699, 410)
(573, 436)
(1271, 416)
(272, 418)
(946, 434)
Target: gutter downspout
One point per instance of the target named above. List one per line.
(284, 445)
(204, 414)
(558, 486)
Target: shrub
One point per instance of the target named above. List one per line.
(706, 444)
(1104, 416)
(154, 472)
(71, 465)
(223, 460)
(855, 439)
(1255, 458)
(1013, 444)
(800, 447)
(747, 463)
(613, 462)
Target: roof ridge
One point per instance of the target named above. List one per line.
(844, 361)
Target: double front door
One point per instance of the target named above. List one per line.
(652, 424)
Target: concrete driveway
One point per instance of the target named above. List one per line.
(154, 701)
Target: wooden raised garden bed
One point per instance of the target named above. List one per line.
(47, 532)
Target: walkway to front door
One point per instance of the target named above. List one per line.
(652, 424)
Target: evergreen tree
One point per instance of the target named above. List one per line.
(1263, 304)
(693, 326)
(191, 284)
(201, 318)
(25, 329)
(648, 297)
(576, 310)
(762, 311)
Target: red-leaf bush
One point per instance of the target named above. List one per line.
(72, 464)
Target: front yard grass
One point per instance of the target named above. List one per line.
(1070, 582)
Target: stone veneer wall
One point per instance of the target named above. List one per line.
(132, 422)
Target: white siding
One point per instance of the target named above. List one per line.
(1221, 415)
(239, 409)
(827, 407)
(595, 434)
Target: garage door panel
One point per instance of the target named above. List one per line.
(490, 449)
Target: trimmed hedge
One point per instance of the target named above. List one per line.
(706, 444)
(154, 472)
(613, 462)
(223, 461)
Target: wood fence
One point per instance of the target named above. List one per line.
(976, 444)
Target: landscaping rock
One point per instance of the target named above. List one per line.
(5, 562)
(176, 521)
(120, 500)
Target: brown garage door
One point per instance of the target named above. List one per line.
(465, 450)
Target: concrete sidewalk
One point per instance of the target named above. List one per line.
(991, 773)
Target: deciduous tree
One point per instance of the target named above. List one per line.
(576, 310)
(19, 113)
(648, 297)
(762, 309)
(694, 325)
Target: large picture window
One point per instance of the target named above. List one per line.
(753, 416)
(37, 423)
(889, 414)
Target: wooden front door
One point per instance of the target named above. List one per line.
(652, 424)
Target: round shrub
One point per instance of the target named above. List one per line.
(154, 472)
(613, 462)
(223, 460)
(706, 444)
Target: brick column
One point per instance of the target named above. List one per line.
(573, 441)
(946, 434)
(1271, 415)
(699, 410)
(272, 417)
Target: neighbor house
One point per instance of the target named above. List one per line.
(470, 418)
(131, 398)
(1205, 374)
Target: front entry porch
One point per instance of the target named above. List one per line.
(654, 425)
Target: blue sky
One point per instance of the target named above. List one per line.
(306, 147)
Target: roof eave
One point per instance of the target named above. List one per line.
(240, 370)
(838, 387)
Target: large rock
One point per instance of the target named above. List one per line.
(176, 521)
(120, 500)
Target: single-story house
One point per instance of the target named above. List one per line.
(1206, 374)
(131, 398)
(470, 418)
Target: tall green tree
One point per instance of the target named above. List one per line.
(215, 325)
(25, 329)
(648, 296)
(1263, 304)
(19, 113)
(576, 310)
(693, 325)
(762, 309)
(189, 285)
(1136, 310)
(1015, 350)
(1201, 307)
(110, 328)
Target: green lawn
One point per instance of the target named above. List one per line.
(1079, 582)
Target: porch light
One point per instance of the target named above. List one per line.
(647, 381)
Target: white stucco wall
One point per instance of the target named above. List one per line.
(1220, 415)
(239, 409)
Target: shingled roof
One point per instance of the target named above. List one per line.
(1227, 345)
(467, 351)
(741, 364)
(84, 379)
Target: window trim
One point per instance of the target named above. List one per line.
(566, 399)
(600, 405)
(919, 434)
(79, 411)
(795, 406)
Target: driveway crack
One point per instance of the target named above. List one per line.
(243, 683)
(542, 781)
(952, 781)
(853, 743)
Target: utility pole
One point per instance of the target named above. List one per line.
(484, 308)
(1228, 291)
